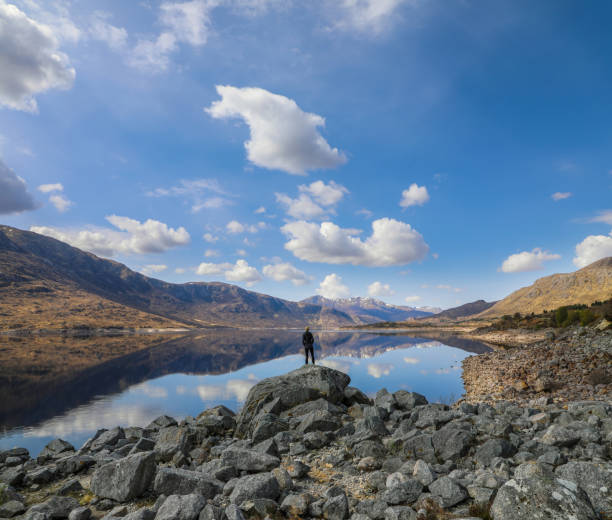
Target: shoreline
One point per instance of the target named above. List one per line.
(307, 445)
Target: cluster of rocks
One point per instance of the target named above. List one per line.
(577, 365)
(306, 444)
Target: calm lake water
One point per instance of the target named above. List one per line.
(49, 396)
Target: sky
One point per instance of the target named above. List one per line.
(423, 152)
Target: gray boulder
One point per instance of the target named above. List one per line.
(80, 513)
(408, 400)
(233, 512)
(262, 485)
(400, 513)
(336, 507)
(173, 440)
(11, 508)
(300, 386)
(541, 498)
(181, 507)
(594, 478)
(493, 448)
(249, 460)
(268, 425)
(448, 491)
(54, 507)
(107, 438)
(55, 448)
(451, 443)
(420, 447)
(163, 421)
(423, 473)
(296, 505)
(407, 491)
(557, 435)
(212, 512)
(171, 481)
(124, 479)
(318, 421)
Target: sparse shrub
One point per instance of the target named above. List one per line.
(517, 315)
(481, 511)
(587, 316)
(561, 316)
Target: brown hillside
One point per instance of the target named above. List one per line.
(47, 283)
(589, 284)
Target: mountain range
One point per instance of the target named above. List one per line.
(45, 283)
(370, 310)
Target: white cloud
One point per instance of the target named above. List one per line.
(260, 210)
(14, 194)
(527, 261)
(241, 252)
(180, 270)
(243, 272)
(134, 237)
(210, 253)
(30, 60)
(315, 200)
(153, 55)
(150, 269)
(378, 290)
(283, 137)
(412, 360)
(367, 16)
(46, 188)
(208, 268)
(236, 227)
(412, 299)
(332, 287)
(593, 248)
(210, 238)
(101, 30)
(282, 272)
(391, 243)
(151, 391)
(604, 216)
(60, 202)
(378, 370)
(414, 196)
(560, 195)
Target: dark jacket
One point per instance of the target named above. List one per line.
(307, 339)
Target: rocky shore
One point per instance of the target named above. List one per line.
(575, 365)
(307, 445)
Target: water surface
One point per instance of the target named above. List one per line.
(71, 387)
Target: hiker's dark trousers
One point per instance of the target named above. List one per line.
(309, 349)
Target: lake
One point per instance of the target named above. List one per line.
(70, 387)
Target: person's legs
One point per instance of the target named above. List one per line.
(306, 354)
(312, 354)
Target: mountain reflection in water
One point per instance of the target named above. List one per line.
(70, 387)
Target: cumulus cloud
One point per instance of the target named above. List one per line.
(391, 243)
(414, 196)
(593, 248)
(379, 289)
(332, 287)
(412, 360)
(243, 272)
(150, 269)
(260, 210)
(315, 200)
(134, 237)
(210, 238)
(412, 299)
(527, 261)
(560, 195)
(61, 203)
(209, 268)
(284, 271)
(14, 194)
(447, 287)
(232, 389)
(30, 60)
(283, 137)
(366, 16)
(236, 227)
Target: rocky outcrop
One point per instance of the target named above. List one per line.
(329, 452)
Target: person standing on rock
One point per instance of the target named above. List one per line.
(308, 342)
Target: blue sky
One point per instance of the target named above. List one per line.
(449, 151)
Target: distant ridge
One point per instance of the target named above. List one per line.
(589, 284)
(368, 310)
(465, 310)
(45, 283)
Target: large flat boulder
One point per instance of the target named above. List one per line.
(542, 498)
(126, 478)
(308, 383)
